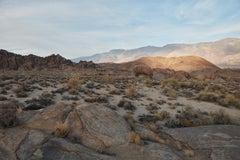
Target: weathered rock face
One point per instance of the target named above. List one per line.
(97, 127)
(11, 61)
(218, 142)
(49, 118)
(85, 64)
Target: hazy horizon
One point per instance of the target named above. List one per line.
(83, 28)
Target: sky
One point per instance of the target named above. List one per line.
(75, 28)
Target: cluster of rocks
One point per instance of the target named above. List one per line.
(11, 61)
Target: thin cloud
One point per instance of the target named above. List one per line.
(79, 28)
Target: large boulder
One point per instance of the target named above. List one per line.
(97, 127)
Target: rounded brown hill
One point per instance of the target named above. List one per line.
(183, 63)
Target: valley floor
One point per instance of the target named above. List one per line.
(91, 115)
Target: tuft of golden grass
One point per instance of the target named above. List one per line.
(108, 79)
(131, 92)
(134, 138)
(74, 82)
(189, 152)
(61, 130)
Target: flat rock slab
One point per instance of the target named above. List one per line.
(58, 148)
(49, 118)
(217, 142)
(151, 151)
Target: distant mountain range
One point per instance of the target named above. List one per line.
(223, 53)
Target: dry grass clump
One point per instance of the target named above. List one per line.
(74, 82)
(208, 96)
(3, 98)
(99, 99)
(8, 117)
(231, 100)
(194, 84)
(190, 117)
(61, 130)
(220, 117)
(172, 94)
(131, 92)
(127, 105)
(171, 83)
(21, 92)
(108, 79)
(163, 115)
(147, 119)
(143, 70)
(153, 138)
(133, 137)
(189, 152)
(115, 91)
(148, 82)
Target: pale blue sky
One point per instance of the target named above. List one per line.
(76, 28)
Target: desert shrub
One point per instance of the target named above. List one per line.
(61, 130)
(231, 100)
(194, 84)
(220, 117)
(3, 91)
(8, 115)
(3, 98)
(152, 108)
(60, 90)
(172, 94)
(163, 115)
(41, 102)
(131, 92)
(143, 70)
(108, 79)
(217, 88)
(160, 102)
(207, 96)
(73, 91)
(148, 82)
(20, 93)
(74, 82)
(126, 105)
(190, 117)
(99, 99)
(153, 127)
(189, 152)
(147, 118)
(115, 91)
(171, 83)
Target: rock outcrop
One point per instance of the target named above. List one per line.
(96, 127)
(218, 142)
(12, 61)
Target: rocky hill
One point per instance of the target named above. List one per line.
(183, 63)
(223, 53)
(12, 61)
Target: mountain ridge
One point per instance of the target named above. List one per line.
(223, 53)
